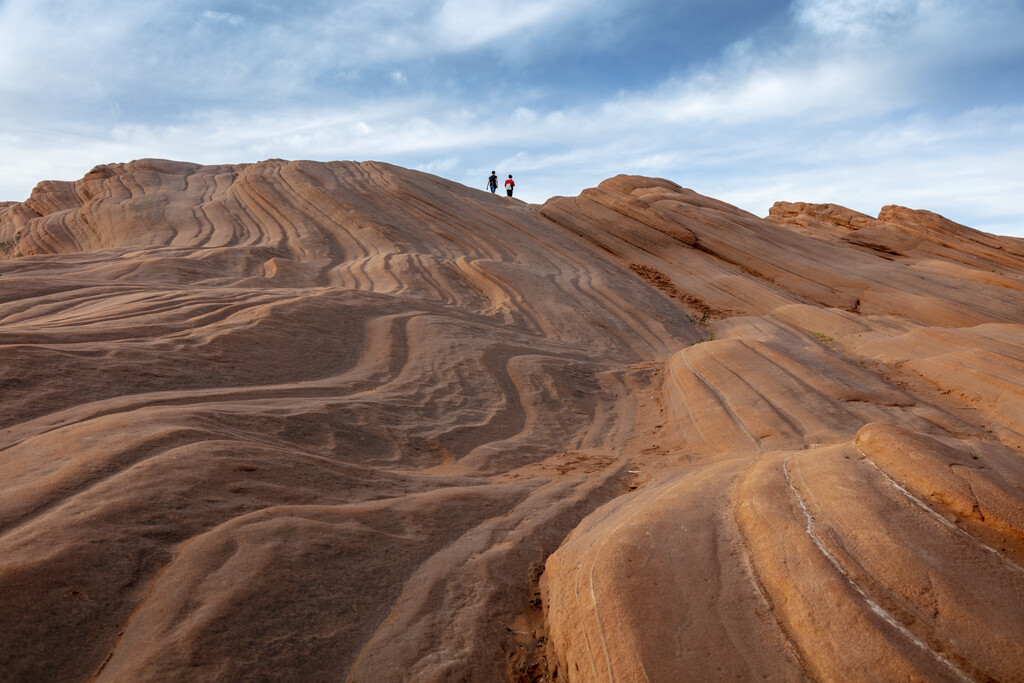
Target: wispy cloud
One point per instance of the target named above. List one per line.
(863, 102)
(224, 17)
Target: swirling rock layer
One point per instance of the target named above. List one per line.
(308, 421)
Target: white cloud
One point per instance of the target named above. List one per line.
(835, 111)
(439, 166)
(941, 30)
(857, 19)
(524, 116)
(224, 17)
(83, 54)
(466, 24)
(968, 167)
(835, 89)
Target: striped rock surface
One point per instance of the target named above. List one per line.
(347, 421)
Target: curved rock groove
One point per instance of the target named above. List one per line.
(872, 605)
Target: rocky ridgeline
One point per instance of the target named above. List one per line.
(321, 421)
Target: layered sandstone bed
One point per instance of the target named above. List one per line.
(347, 421)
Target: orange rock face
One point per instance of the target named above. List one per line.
(340, 421)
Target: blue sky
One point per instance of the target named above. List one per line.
(857, 102)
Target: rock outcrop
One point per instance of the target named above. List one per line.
(324, 421)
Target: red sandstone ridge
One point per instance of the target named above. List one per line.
(340, 421)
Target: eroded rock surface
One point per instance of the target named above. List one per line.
(347, 421)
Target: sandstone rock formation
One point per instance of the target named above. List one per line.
(347, 421)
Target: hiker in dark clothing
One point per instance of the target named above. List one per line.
(492, 182)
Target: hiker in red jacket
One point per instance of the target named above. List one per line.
(509, 184)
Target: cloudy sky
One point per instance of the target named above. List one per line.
(858, 102)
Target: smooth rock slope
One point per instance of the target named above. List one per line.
(347, 421)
